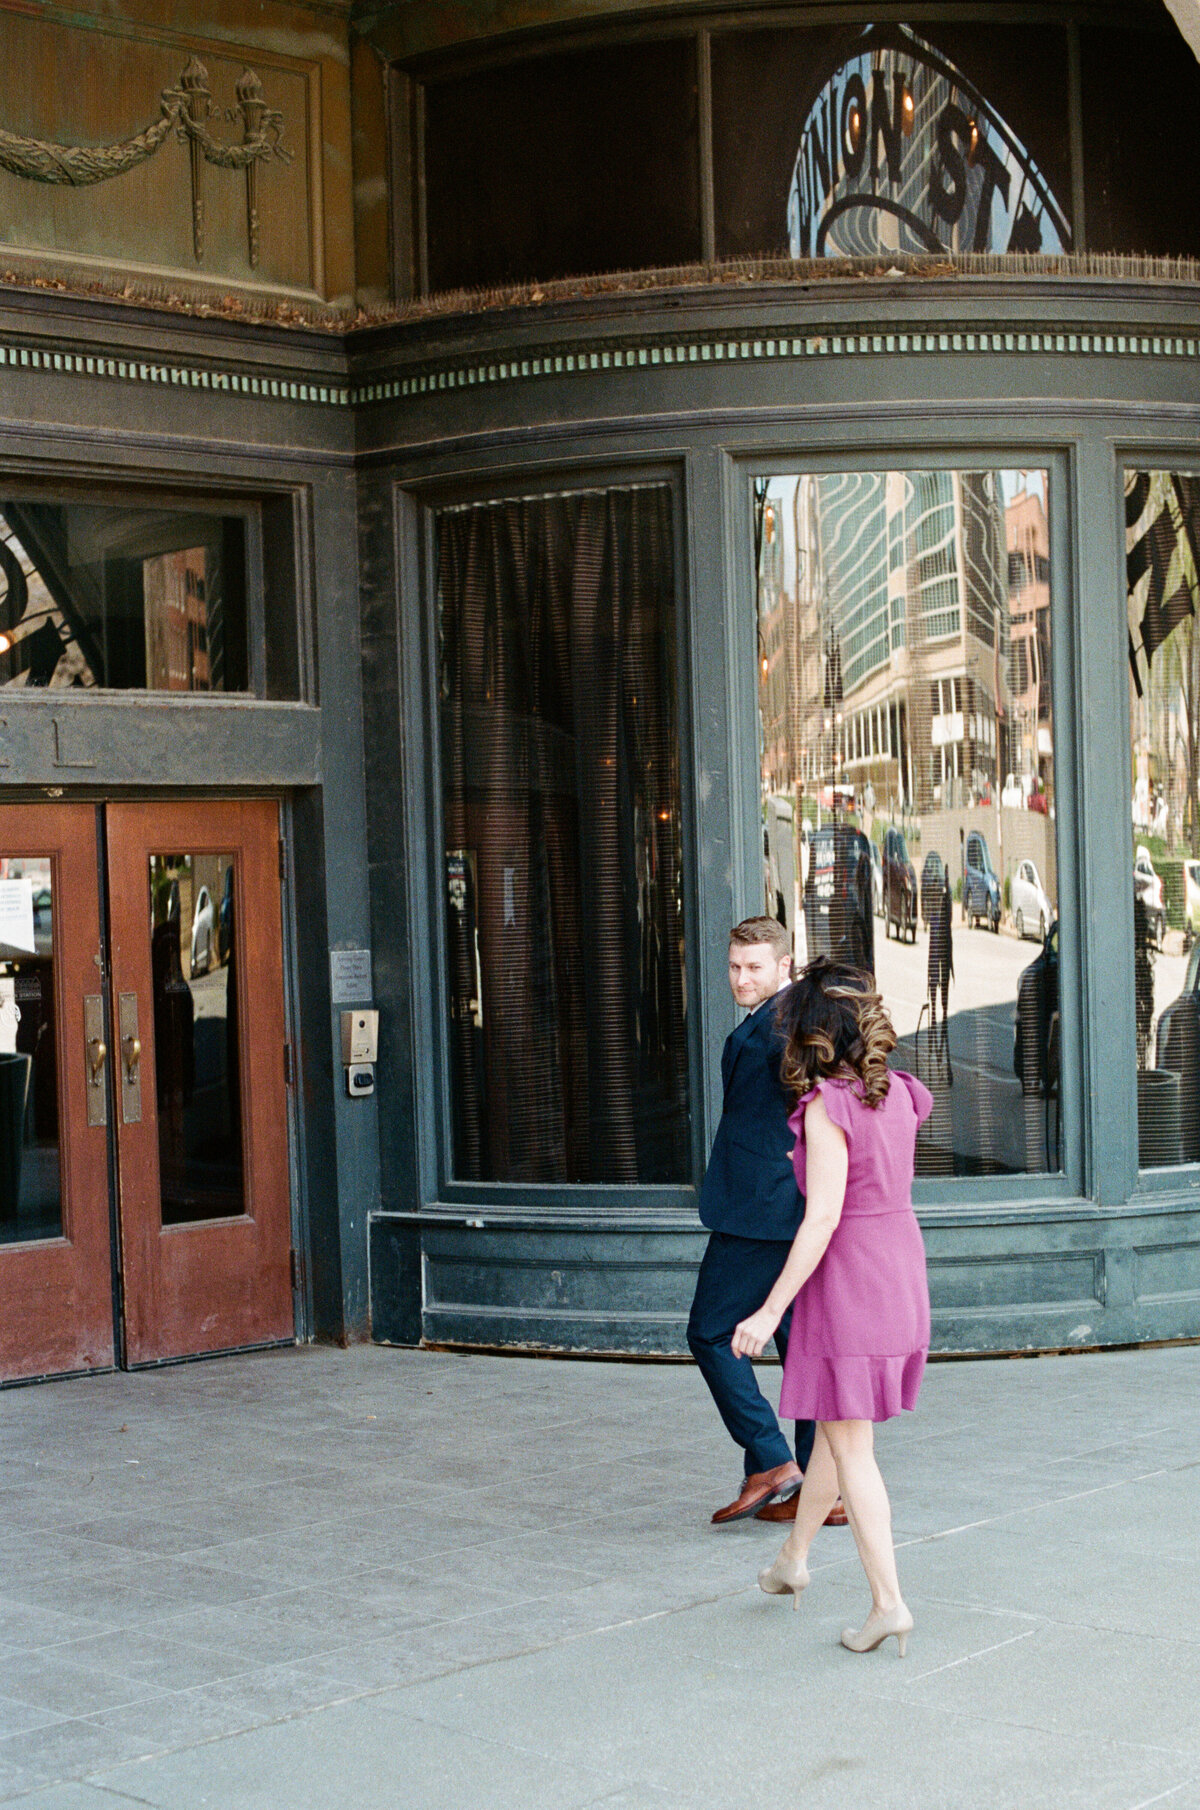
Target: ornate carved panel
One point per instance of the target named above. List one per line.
(159, 153)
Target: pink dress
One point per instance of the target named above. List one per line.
(860, 1325)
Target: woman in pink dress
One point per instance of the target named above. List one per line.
(856, 1272)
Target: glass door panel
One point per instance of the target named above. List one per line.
(196, 1070)
(30, 1167)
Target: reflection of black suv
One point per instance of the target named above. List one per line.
(981, 888)
(899, 887)
(838, 912)
(1178, 1048)
(1036, 1037)
(933, 880)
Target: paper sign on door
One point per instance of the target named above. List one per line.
(16, 914)
(10, 1016)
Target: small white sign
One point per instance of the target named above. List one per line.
(10, 1016)
(16, 914)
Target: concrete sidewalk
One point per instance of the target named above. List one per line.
(392, 1580)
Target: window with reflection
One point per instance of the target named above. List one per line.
(561, 803)
(136, 598)
(908, 789)
(1162, 529)
(197, 1072)
(30, 1173)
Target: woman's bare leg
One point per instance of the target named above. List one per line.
(817, 1497)
(852, 1445)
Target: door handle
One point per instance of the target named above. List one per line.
(95, 1051)
(131, 1055)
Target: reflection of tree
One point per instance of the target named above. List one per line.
(1162, 513)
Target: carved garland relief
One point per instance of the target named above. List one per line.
(185, 111)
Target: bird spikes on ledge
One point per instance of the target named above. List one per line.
(777, 273)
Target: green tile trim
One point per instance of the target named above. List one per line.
(787, 347)
(189, 376)
(552, 362)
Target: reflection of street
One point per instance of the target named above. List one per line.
(208, 993)
(981, 1122)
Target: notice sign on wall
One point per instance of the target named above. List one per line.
(16, 914)
(350, 976)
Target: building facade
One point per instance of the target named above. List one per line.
(483, 509)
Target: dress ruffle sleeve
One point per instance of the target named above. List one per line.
(922, 1099)
(836, 1095)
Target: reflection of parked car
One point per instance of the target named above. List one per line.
(837, 897)
(981, 888)
(877, 879)
(933, 880)
(1036, 1033)
(1191, 894)
(1030, 905)
(1148, 887)
(203, 919)
(899, 886)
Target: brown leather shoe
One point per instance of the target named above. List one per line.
(760, 1487)
(786, 1511)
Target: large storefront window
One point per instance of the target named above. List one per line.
(561, 797)
(908, 784)
(1162, 518)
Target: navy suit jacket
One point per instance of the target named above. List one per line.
(749, 1188)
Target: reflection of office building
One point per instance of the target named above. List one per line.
(906, 591)
(1031, 743)
(176, 621)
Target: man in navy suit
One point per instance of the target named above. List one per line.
(753, 1208)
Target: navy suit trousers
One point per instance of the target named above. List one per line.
(736, 1276)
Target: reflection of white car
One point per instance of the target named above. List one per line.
(1149, 889)
(203, 919)
(1191, 893)
(1031, 907)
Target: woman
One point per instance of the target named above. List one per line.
(856, 1271)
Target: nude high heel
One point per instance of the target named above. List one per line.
(786, 1577)
(877, 1628)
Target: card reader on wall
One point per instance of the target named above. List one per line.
(360, 1045)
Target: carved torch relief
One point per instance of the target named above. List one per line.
(185, 112)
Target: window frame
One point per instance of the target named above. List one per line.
(417, 505)
(1152, 455)
(969, 1195)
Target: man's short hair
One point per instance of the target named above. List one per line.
(763, 930)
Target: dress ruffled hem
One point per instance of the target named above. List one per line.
(850, 1388)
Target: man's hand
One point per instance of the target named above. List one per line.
(750, 1337)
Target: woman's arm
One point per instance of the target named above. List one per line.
(828, 1161)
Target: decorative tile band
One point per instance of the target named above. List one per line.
(198, 377)
(741, 349)
(558, 362)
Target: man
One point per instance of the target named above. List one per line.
(752, 1207)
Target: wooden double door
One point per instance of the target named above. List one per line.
(145, 1209)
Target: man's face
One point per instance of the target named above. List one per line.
(756, 973)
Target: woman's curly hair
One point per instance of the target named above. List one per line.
(833, 1019)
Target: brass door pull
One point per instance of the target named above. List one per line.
(132, 1047)
(99, 1050)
